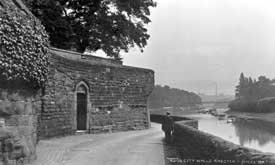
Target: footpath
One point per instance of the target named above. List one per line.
(145, 147)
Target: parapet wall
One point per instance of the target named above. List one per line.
(195, 144)
(157, 118)
(89, 59)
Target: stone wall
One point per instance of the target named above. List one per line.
(198, 145)
(18, 121)
(194, 145)
(157, 118)
(117, 94)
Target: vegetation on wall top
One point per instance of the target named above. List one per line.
(23, 47)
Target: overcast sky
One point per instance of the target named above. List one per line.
(197, 43)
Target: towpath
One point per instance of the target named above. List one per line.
(143, 147)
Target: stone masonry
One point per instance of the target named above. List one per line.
(115, 100)
(116, 95)
(19, 106)
(197, 147)
(83, 93)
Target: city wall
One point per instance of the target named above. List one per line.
(116, 95)
(19, 106)
(193, 144)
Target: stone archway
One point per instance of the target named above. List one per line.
(82, 98)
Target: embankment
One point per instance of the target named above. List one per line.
(194, 144)
(265, 117)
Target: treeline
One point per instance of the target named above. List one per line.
(254, 95)
(172, 97)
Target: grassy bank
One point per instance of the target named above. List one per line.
(269, 117)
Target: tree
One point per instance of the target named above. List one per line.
(249, 94)
(172, 97)
(89, 25)
(240, 86)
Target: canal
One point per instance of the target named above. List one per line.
(249, 133)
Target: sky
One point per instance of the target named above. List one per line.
(196, 44)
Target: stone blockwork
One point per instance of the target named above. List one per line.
(198, 145)
(18, 110)
(193, 145)
(187, 121)
(116, 94)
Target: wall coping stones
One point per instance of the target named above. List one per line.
(84, 57)
(92, 60)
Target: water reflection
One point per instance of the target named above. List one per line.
(249, 133)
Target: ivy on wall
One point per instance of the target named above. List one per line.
(24, 47)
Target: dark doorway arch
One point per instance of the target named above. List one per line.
(81, 106)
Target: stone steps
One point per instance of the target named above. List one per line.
(81, 132)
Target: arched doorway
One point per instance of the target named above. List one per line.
(81, 106)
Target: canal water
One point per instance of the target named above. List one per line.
(249, 133)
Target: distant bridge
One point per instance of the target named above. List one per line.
(215, 102)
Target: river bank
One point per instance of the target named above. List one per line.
(267, 117)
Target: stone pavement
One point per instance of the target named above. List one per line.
(143, 147)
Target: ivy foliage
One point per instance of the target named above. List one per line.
(24, 47)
